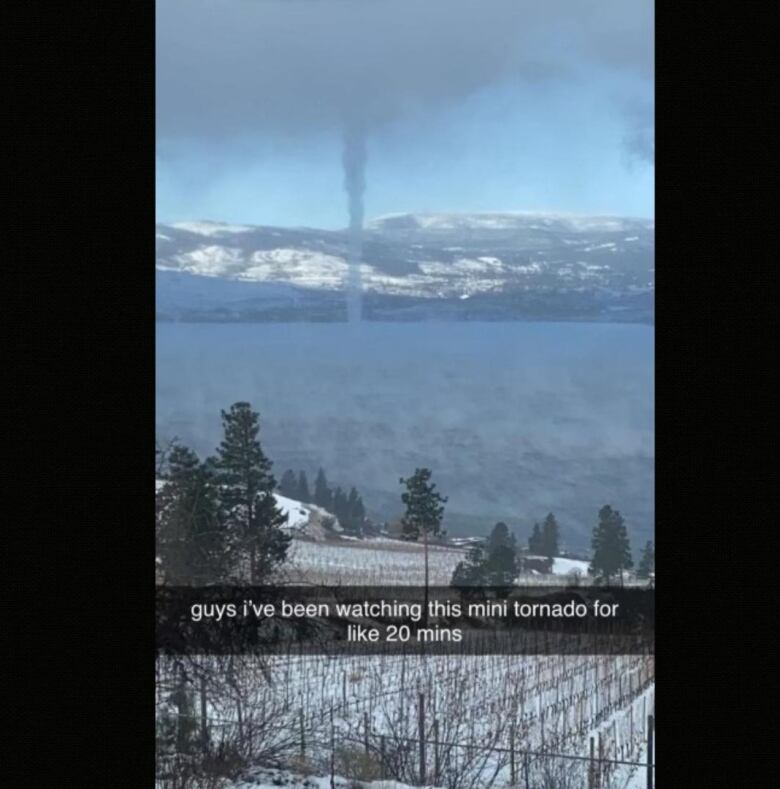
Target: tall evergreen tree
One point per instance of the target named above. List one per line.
(424, 506)
(501, 559)
(246, 491)
(323, 496)
(193, 544)
(360, 511)
(495, 564)
(162, 452)
(424, 512)
(471, 571)
(304, 494)
(340, 508)
(355, 512)
(646, 561)
(535, 544)
(289, 484)
(549, 537)
(611, 549)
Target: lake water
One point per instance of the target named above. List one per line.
(515, 419)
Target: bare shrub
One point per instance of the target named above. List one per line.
(355, 763)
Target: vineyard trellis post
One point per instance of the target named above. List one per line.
(436, 765)
(204, 731)
(600, 770)
(303, 736)
(421, 726)
(591, 766)
(527, 770)
(512, 754)
(650, 754)
(332, 751)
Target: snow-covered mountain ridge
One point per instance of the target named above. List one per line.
(508, 265)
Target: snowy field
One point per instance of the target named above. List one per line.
(485, 718)
(380, 562)
(481, 715)
(370, 562)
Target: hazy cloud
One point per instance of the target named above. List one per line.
(238, 67)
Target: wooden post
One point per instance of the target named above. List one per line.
(650, 754)
(303, 736)
(344, 689)
(512, 754)
(332, 752)
(436, 764)
(425, 602)
(421, 728)
(527, 770)
(204, 730)
(365, 730)
(600, 773)
(591, 767)
(382, 754)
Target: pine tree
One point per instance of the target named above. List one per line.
(535, 545)
(424, 511)
(611, 549)
(549, 537)
(470, 572)
(192, 541)
(424, 506)
(162, 452)
(646, 561)
(246, 491)
(355, 512)
(289, 485)
(304, 494)
(323, 497)
(360, 512)
(501, 559)
(340, 509)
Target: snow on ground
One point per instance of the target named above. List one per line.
(556, 703)
(211, 228)
(264, 778)
(370, 562)
(298, 514)
(566, 566)
(299, 267)
(212, 260)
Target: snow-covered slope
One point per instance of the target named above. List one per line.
(298, 514)
(517, 221)
(301, 518)
(516, 263)
(567, 566)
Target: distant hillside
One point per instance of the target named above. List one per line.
(497, 266)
